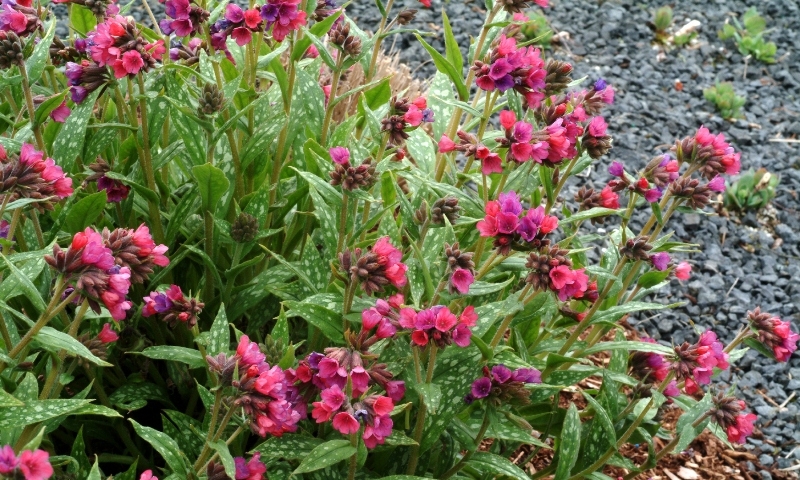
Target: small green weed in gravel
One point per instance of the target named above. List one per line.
(725, 99)
(753, 190)
(749, 36)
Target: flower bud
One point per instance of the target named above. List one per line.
(421, 215)
(558, 77)
(445, 207)
(637, 248)
(10, 50)
(406, 16)
(244, 228)
(210, 102)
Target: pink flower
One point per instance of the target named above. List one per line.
(345, 423)
(253, 469)
(419, 338)
(107, 335)
(660, 261)
(683, 271)
(8, 460)
(35, 465)
(396, 389)
(462, 335)
(390, 257)
(340, 155)
(672, 389)
(446, 145)
(413, 116)
(425, 3)
(560, 276)
(461, 280)
(785, 349)
(653, 195)
(744, 428)
(147, 475)
(468, 317)
(60, 113)
(507, 117)
(608, 198)
(248, 352)
(574, 286)
(717, 184)
(616, 169)
(445, 320)
(597, 127)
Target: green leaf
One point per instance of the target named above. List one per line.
(94, 473)
(85, 212)
(289, 447)
(592, 213)
(452, 52)
(81, 19)
(81, 465)
(134, 395)
(164, 445)
(41, 53)
(55, 340)
(653, 278)
(329, 322)
(497, 465)
(329, 453)
(281, 329)
(760, 348)
(22, 281)
(69, 142)
(378, 95)
(318, 29)
(569, 444)
(189, 356)
(36, 411)
(431, 394)
(212, 184)
(615, 313)
(220, 336)
(48, 106)
(421, 148)
(446, 67)
(632, 346)
(441, 89)
(225, 457)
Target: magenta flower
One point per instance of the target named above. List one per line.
(8, 460)
(439, 326)
(742, 429)
(616, 169)
(500, 384)
(660, 261)
(461, 280)
(253, 469)
(481, 387)
(107, 334)
(390, 258)
(35, 465)
(717, 184)
(147, 475)
(60, 113)
(340, 155)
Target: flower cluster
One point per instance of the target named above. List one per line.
(403, 115)
(503, 223)
(348, 176)
(19, 17)
(100, 8)
(283, 16)
(187, 18)
(89, 266)
(348, 414)
(135, 250)
(264, 393)
(470, 146)
(116, 191)
(118, 43)
(509, 67)
(30, 464)
(711, 153)
(31, 175)
(84, 78)
(253, 469)
(461, 267)
(499, 385)
(774, 333)
(653, 367)
(727, 413)
(238, 24)
(551, 269)
(172, 307)
(695, 363)
(375, 268)
(439, 326)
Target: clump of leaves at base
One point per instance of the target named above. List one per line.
(724, 97)
(749, 36)
(752, 191)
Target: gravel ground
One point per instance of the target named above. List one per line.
(744, 261)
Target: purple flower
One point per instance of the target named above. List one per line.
(314, 359)
(115, 191)
(501, 373)
(660, 261)
(652, 195)
(427, 115)
(340, 155)
(4, 228)
(616, 169)
(481, 387)
(527, 375)
(509, 203)
(600, 84)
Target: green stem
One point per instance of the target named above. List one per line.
(458, 466)
(208, 223)
(351, 471)
(26, 89)
(12, 230)
(212, 423)
(52, 309)
(501, 331)
(37, 227)
(343, 222)
(146, 161)
(337, 73)
(420, 425)
(376, 48)
(237, 253)
(55, 371)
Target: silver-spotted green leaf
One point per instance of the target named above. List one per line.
(631, 346)
(22, 281)
(81, 19)
(328, 322)
(600, 437)
(289, 447)
(212, 185)
(55, 340)
(431, 394)
(327, 454)
(225, 457)
(219, 339)
(69, 142)
(133, 396)
(440, 88)
(189, 356)
(186, 430)
(281, 329)
(328, 224)
(81, 466)
(37, 411)
(94, 473)
(421, 147)
(84, 212)
(592, 213)
(570, 443)
(8, 400)
(41, 52)
(615, 313)
(164, 445)
(495, 465)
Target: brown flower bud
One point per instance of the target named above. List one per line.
(406, 16)
(458, 259)
(210, 102)
(421, 215)
(445, 207)
(558, 77)
(10, 50)
(596, 147)
(216, 471)
(637, 248)
(244, 228)
(697, 195)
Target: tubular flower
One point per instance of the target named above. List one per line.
(405, 115)
(31, 175)
(187, 18)
(19, 18)
(84, 78)
(136, 250)
(237, 24)
(503, 222)
(596, 142)
(499, 385)
(283, 16)
(116, 191)
(253, 469)
(695, 363)
(30, 465)
(509, 67)
(649, 366)
(727, 412)
(438, 325)
(118, 43)
(89, 266)
(376, 268)
(349, 416)
(470, 146)
(265, 393)
(172, 307)
(774, 333)
(711, 153)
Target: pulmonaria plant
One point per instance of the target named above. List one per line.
(309, 260)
